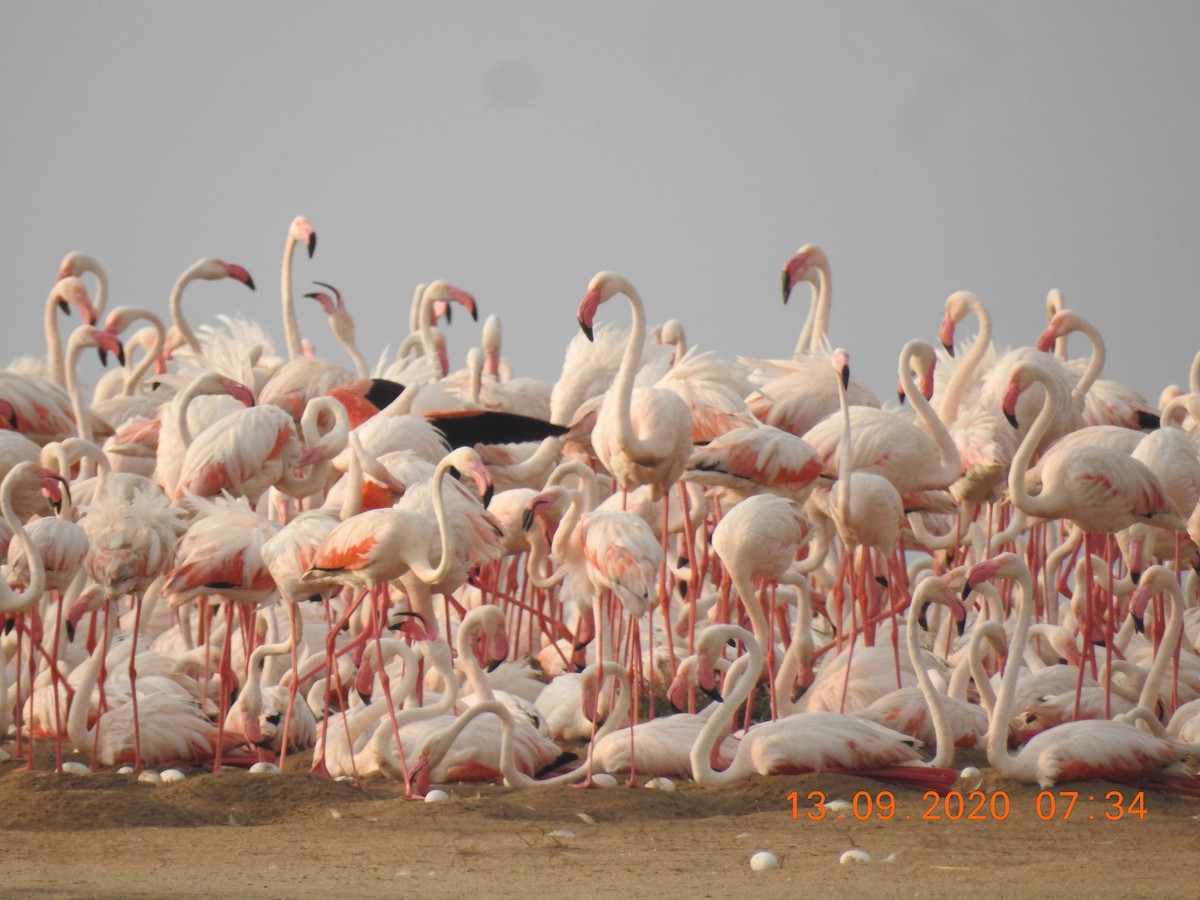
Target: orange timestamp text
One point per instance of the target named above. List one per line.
(973, 806)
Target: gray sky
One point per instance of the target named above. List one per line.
(517, 149)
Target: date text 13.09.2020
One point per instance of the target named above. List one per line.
(974, 806)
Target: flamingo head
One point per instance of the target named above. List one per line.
(1062, 322)
(105, 342)
(333, 306)
(925, 362)
(301, 232)
(946, 332)
(419, 773)
(54, 486)
(841, 365)
(237, 390)
(69, 291)
(1006, 565)
(1153, 581)
(547, 505)
(941, 592)
(1008, 403)
(76, 263)
(443, 293)
(90, 600)
(603, 286)
(490, 644)
(804, 265)
(237, 273)
(465, 461)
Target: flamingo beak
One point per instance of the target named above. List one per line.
(793, 271)
(312, 244)
(946, 334)
(466, 300)
(239, 274)
(1046, 339)
(587, 312)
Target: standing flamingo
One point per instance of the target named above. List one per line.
(643, 435)
(795, 394)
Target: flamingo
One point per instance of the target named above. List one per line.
(1073, 751)
(984, 439)
(19, 602)
(749, 459)
(1100, 489)
(173, 728)
(798, 393)
(255, 448)
(434, 746)
(1105, 402)
(760, 538)
(181, 418)
(380, 545)
(914, 710)
(803, 742)
(642, 436)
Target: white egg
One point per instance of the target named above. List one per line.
(855, 856)
(605, 780)
(661, 784)
(77, 768)
(763, 860)
(124, 770)
(150, 777)
(436, 796)
(172, 776)
(264, 768)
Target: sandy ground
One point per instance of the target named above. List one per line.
(234, 834)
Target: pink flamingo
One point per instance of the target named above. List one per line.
(798, 393)
(803, 742)
(642, 435)
(1074, 751)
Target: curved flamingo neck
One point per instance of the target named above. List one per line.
(153, 355)
(622, 387)
(964, 374)
(1095, 362)
(176, 306)
(473, 622)
(997, 742)
(75, 347)
(54, 354)
(720, 722)
(1021, 498)
(948, 458)
(18, 601)
(944, 755)
(1151, 689)
(815, 333)
(77, 716)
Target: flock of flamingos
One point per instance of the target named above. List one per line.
(677, 566)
